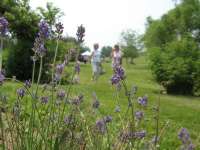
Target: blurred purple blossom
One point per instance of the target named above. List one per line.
(2, 78)
(59, 28)
(107, 119)
(184, 135)
(143, 101)
(3, 26)
(101, 126)
(44, 30)
(126, 136)
(68, 120)
(44, 99)
(39, 48)
(120, 72)
(61, 94)
(21, 92)
(80, 33)
(59, 71)
(27, 83)
(139, 115)
(115, 79)
(77, 100)
(96, 104)
(60, 68)
(77, 68)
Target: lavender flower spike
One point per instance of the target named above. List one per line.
(3, 26)
(21, 92)
(2, 78)
(44, 30)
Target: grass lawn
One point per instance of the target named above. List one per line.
(175, 110)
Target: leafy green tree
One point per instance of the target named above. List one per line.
(23, 26)
(51, 14)
(173, 45)
(106, 51)
(130, 43)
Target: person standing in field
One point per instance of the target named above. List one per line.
(116, 56)
(96, 61)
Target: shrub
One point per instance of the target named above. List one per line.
(176, 66)
(173, 45)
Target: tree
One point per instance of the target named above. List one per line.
(23, 26)
(106, 51)
(131, 44)
(51, 14)
(173, 45)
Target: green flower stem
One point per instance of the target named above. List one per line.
(1, 53)
(52, 90)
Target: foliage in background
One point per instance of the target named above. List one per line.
(106, 51)
(23, 22)
(131, 44)
(173, 45)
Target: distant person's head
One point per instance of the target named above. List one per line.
(116, 48)
(96, 46)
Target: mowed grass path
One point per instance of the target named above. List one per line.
(177, 111)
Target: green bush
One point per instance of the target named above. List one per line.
(177, 66)
(173, 45)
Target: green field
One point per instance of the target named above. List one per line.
(177, 111)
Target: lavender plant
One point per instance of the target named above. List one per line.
(51, 116)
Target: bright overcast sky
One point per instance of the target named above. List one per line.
(105, 19)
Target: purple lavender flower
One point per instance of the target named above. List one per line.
(115, 79)
(184, 136)
(68, 119)
(140, 134)
(44, 99)
(60, 68)
(77, 68)
(139, 115)
(120, 72)
(3, 26)
(96, 104)
(27, 83)
(77, 100)
(61, 94)
(101, 126)
(142, 101)
(39, 48)
(59, 71)
(44, 30)
(59, 28)
(107, 119)
(117, 109)
(119, 75)
(128, 135)
(21, 92)
(16, 110)
(80, 33)
(191, 146)
(2, 78)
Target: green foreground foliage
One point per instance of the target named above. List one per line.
(175, 111)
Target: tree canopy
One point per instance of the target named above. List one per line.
(173, 45)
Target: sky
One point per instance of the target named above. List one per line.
(104, 20)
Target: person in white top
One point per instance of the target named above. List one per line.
(116, 56)
(95, 61)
